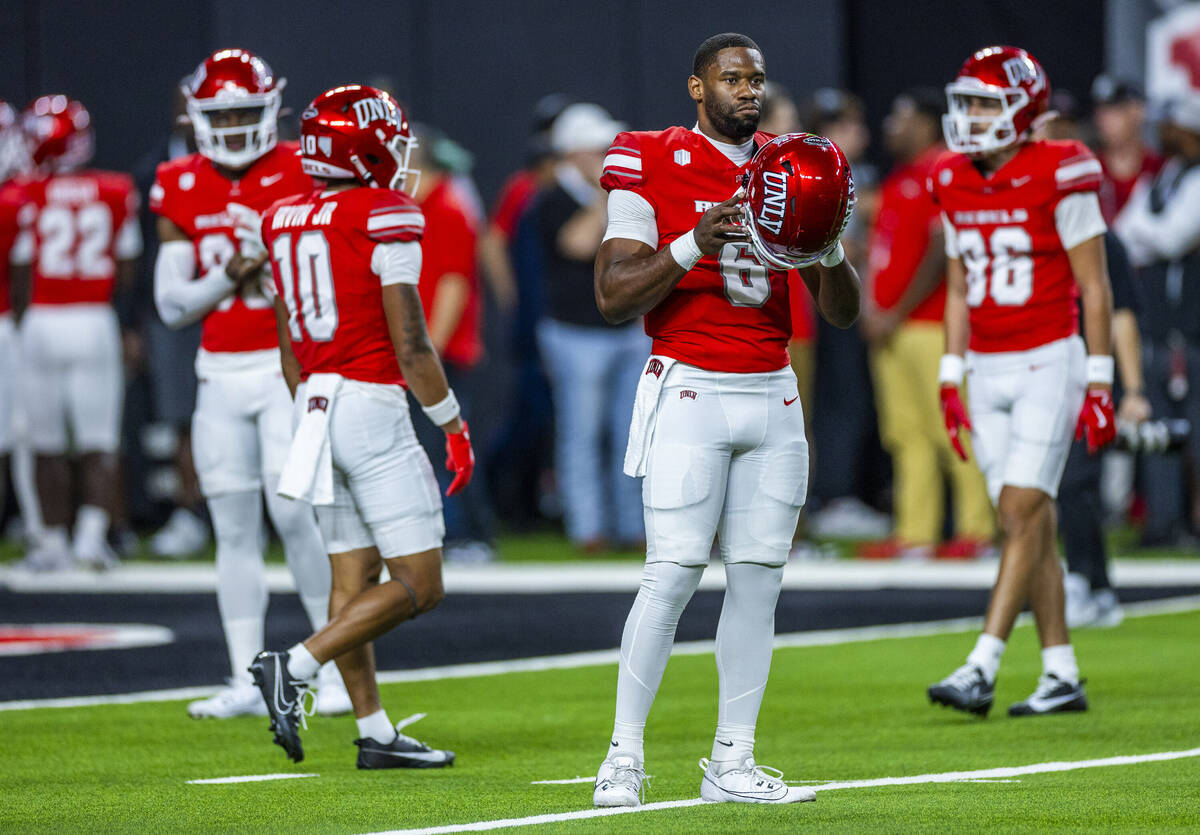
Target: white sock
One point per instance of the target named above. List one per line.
(646, 645)
(302, 664)
(986, 655)
(377, 726)
(241, 578)
(627, 741)
(91, 524)
(744, 638)
(1059, 661)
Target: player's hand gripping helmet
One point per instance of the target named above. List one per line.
(799, 198)
(14, 150)
(233, 101)
(1015, 82)
(360, 133)
(59, 133)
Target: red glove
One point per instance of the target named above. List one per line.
(955, 415)
(1097, 420)
(460, 459)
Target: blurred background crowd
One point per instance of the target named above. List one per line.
(510, 161)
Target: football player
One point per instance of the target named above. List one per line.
(242, 424)
(717, 431)
(1024, 241)
(79, 239)
(346, 260)
(14, 160)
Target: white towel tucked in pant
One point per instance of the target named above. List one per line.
(645, 410)
(308, 472)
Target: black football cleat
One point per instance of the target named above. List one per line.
(1053, 695)
(284, 696)
(401, 752)
(964, 689)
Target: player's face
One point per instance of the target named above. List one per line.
(982, 107)
(732, 92)
(1120, 123)
(236, 117)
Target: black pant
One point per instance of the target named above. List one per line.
(1081, 515)
(1164, 476)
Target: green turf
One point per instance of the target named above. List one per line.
(853, 711)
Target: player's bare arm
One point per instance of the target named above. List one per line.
(414, 350)
(287, 357)
(449, 302)
(631, 278)
(1127, 349)
(20, 289)
(836, 290)
(1090, 266)
(956, 321)
(881, 324)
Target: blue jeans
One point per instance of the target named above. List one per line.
(593, 377)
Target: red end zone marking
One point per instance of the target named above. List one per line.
(36, 639)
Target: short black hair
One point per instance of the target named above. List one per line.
(707, 53)
(930, 102)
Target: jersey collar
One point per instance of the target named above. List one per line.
(739, 155)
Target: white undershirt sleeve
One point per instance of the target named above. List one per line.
(1078, 218)
(180, 297)
(397, 263)
(631, 216)
(129, 239)
(951, 237)
(1170, 234)
(21, 254)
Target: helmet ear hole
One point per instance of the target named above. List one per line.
(371, 158)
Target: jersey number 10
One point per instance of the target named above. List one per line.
(307, 278)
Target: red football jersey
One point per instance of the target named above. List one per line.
(1021, 291)
(192, 194)
(1115, 191)
(449, 247)
(515, 196)
(10, 205)
(75, 228)
(900, 237)
(729, 313)
(321, 246)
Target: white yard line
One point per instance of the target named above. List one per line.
(575, 660)
(944, 777)
(553, 578)
(571, 781)
(247, 778)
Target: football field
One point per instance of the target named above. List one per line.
(845, 712)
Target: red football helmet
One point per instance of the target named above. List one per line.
(357, 132)
(1015, 81)
(59, 132)
(14, 150)
(233, 80)
(799, 198)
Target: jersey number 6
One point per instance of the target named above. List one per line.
(307, 278)
(746, 281)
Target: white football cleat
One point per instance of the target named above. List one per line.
(184, 534)
(95, 555)
(747, 782)
(332, 698)
(238, 699)
(619, 782)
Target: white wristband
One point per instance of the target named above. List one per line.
(836, 256)
(444, 411)
(950, 370)
(1100, 369)
(685, 250)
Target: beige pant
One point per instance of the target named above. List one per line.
(905, 371)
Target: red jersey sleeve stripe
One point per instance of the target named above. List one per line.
(396, 220)
(1076, 172)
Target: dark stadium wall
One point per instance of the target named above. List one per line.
(895, 45)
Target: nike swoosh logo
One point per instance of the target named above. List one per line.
(1101, 420)
(1047, 704)
(274, 178)
(787, 402)
(1020, 181)
(726, 744)
(429, 756)
(614, 743)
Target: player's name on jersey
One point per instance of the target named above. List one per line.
(289, 216)
(984, 217)
(72, 190)
(214, 221)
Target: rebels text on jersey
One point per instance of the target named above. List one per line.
(78, 226)
(322, 248)
(729, 313)
(192, 194)
(1012, 231)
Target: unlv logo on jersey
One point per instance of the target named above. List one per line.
(372, 110)
(774, 200)
(318, 403)
(654, 367)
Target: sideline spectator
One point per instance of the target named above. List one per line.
(1160, 227)
(593, 367)
(902, 321)
(450, 296)
(1119, 116)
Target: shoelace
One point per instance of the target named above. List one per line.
(404, 723)
(632, 774)
(773, 777)
(964, 676)
(301, 710)
(1046, 685)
